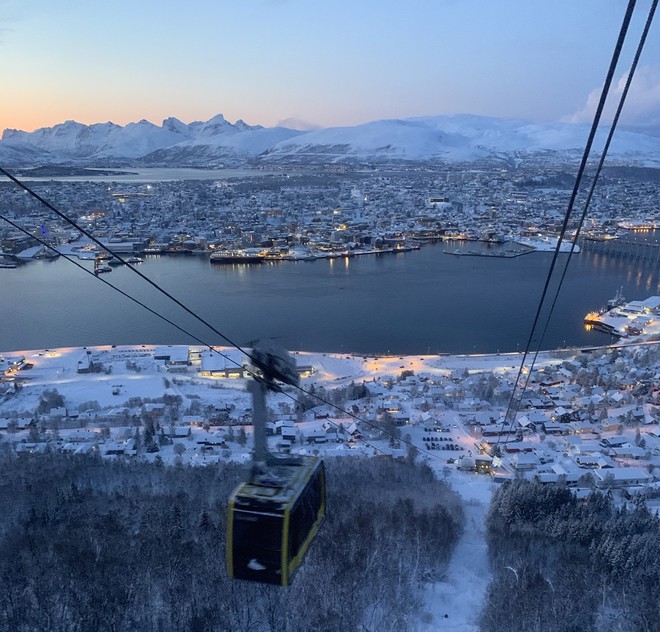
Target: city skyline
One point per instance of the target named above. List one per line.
(301, 65)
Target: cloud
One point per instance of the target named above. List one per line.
(296, 123)
(642, 106)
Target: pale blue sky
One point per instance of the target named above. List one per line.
(324, 62)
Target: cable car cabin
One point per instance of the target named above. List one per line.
(273, 518)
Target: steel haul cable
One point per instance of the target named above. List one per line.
(208, 345)
(610, 136)
(516, 400)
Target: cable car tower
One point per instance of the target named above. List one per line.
(273, 517)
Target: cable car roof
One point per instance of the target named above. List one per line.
(280, 483)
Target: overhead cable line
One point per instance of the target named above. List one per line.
(89, 235)
(601, 162)
(212, 348)
(114, 287)
(514, 403)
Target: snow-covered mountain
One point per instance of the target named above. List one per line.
(456, 139)
(174, 143)
(460, 138)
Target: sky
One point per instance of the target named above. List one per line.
(306, 63)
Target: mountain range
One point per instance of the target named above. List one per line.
(217, 142)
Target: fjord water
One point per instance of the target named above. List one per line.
(424, 301)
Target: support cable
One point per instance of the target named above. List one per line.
(89, 235)
(215, 350)
(601, 162)
(514, 403)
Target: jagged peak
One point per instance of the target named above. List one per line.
(174, 124)
(218, 119)
(243, 126)
(13, 133)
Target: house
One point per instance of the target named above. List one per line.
(153, 410)
(617, 398)
(570, 475)
(593, 461)
(481, 418)
(621, 477)
(332, 434)
(514, 447)
(581, 427)
(553, 428)
(483, 464)
(114, 448)
(57, 414)
(82, 435)
(539, 404)
(85, 364)
(283, 424)
(289, 433)
(525, 462)
(548, 478)
(210, 440)
(172, 355)
(627, 452)
(229, 364)
(616, 441)
(401, 418)
(84, 448)
(392, 406)
(284, 445)
(316, 436)
(562, 415)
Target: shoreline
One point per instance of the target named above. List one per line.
(389, 364)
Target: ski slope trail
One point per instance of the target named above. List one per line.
(461, 592)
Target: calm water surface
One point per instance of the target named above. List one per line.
(156, 174)
(425, 301)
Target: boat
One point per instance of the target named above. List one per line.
(7, 264)
(135, 260)
(47, 253)
(176, 251)
(102, 267)
(617, 301)
(236, 256)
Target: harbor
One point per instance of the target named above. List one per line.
(415, 302)
(627, 319)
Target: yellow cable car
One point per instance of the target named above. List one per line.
(273, 518)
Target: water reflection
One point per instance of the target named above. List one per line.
(424, 301)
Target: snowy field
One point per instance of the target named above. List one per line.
(104, 398)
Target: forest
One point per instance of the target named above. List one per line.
(87, 544)
(561, 564)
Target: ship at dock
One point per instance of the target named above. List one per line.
(237, 256)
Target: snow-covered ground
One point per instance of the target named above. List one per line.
(547, 244)
(108, 408)
(459, 595)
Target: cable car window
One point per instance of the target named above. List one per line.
(257, 553)
(305, 513)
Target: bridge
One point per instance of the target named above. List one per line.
(643, 251)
